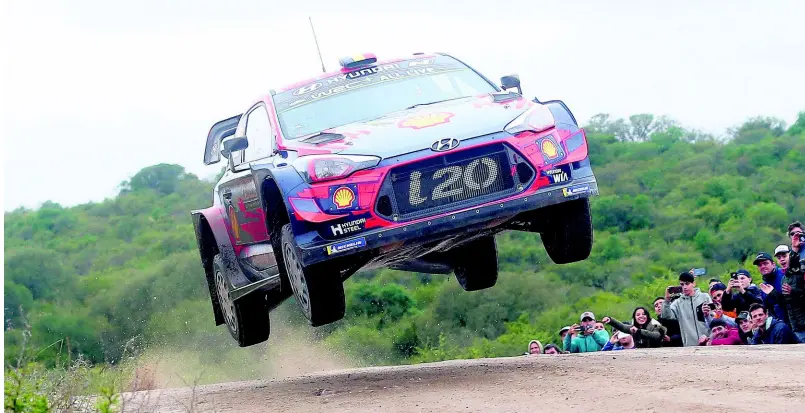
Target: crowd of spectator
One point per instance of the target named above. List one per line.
(740, 312)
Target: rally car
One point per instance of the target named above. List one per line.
(412, 163)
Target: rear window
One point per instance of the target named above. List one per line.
(373, 92)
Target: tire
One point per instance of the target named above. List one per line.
(476, 264)
(318, 289)
(247, 318)
(568, 233)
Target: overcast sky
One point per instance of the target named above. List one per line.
(93, 91)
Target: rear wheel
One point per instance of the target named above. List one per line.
(476, 264)
(568, 233)
(318, 288)
(246, 318)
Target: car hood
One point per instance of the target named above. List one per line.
(415, 129)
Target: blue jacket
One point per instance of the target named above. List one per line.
(612, 347)
(775, 332)
(772, 301)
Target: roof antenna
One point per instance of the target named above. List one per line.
(317, 44)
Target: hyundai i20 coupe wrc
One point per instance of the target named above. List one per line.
(412, 164)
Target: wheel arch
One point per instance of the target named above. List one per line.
(208, 249)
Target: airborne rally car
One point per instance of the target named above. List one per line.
(413, 164)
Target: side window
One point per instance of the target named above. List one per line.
(258, 131)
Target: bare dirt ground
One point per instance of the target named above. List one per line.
(712, 379)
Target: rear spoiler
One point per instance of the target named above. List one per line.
(219, 131)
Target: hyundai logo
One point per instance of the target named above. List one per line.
(445, 144)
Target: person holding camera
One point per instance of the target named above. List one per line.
(791, 298)
(741, 293)
(687, 309)
(713, 312)
(797, 234)
(645, 331)
(585, 338)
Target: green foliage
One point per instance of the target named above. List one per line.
(93, 278)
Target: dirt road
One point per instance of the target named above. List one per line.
(703, 379)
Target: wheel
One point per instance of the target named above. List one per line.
(476, 264)
(247, 318)
(318, 289)
(568, 233)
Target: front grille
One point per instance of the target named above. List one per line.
(452, 181)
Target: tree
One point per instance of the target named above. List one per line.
(38, 270)
(163, 178)
(755, 129)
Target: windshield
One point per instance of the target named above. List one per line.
(370, 93)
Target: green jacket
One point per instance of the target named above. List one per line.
(586, 344)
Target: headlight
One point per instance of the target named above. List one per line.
(317, 168)
(536, 119)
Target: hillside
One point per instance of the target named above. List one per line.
(123, 276)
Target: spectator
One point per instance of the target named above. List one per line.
(672, 336)
(721, 334)
(782, 254)
(741, 292)
(768, 329)
(795, 231)
(620, 341)
(562, 333)
(552, 349)
(713, 281)
(585, 338)
(534, 348)
(772, 281)
(717, 295)
(745, 327)
(645, 331)
(599, 326)
(714, 312)
(792, 298)
(687, 309)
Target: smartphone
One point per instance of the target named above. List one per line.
(675, 290)
(698, 272)
(734, 275)
(712, 306)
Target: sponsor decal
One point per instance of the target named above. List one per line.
(558, 175)
(575, 190)
(549, 149)
(343, 197)
(349, 227)
(233, 221)
(425, 121)
(342, 246)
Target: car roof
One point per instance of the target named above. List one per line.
(342, 71)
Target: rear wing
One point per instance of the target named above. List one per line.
(219, 131)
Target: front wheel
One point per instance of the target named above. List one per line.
(318, 288)
(568, 233)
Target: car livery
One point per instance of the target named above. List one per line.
(412, 163)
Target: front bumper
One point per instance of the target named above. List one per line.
(431, 229)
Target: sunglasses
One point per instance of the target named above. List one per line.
(795, 233)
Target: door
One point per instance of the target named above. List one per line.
(239, 194)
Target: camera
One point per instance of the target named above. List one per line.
(698, 272)
(712, 306)
(675, 290)
(734, 275)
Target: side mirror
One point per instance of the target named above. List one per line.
(233, 144)
(511, 82)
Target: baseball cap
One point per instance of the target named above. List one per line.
(587, 314)
(743, 272)
(761, 257)
(743, 315)
(781, 249)
(621, 334)
(718, 287)
(565, 328)
(686, 276)
(718, 322)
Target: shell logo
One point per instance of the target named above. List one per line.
(343, 197)
(549, 149)
(233, 220)
(426, 120)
